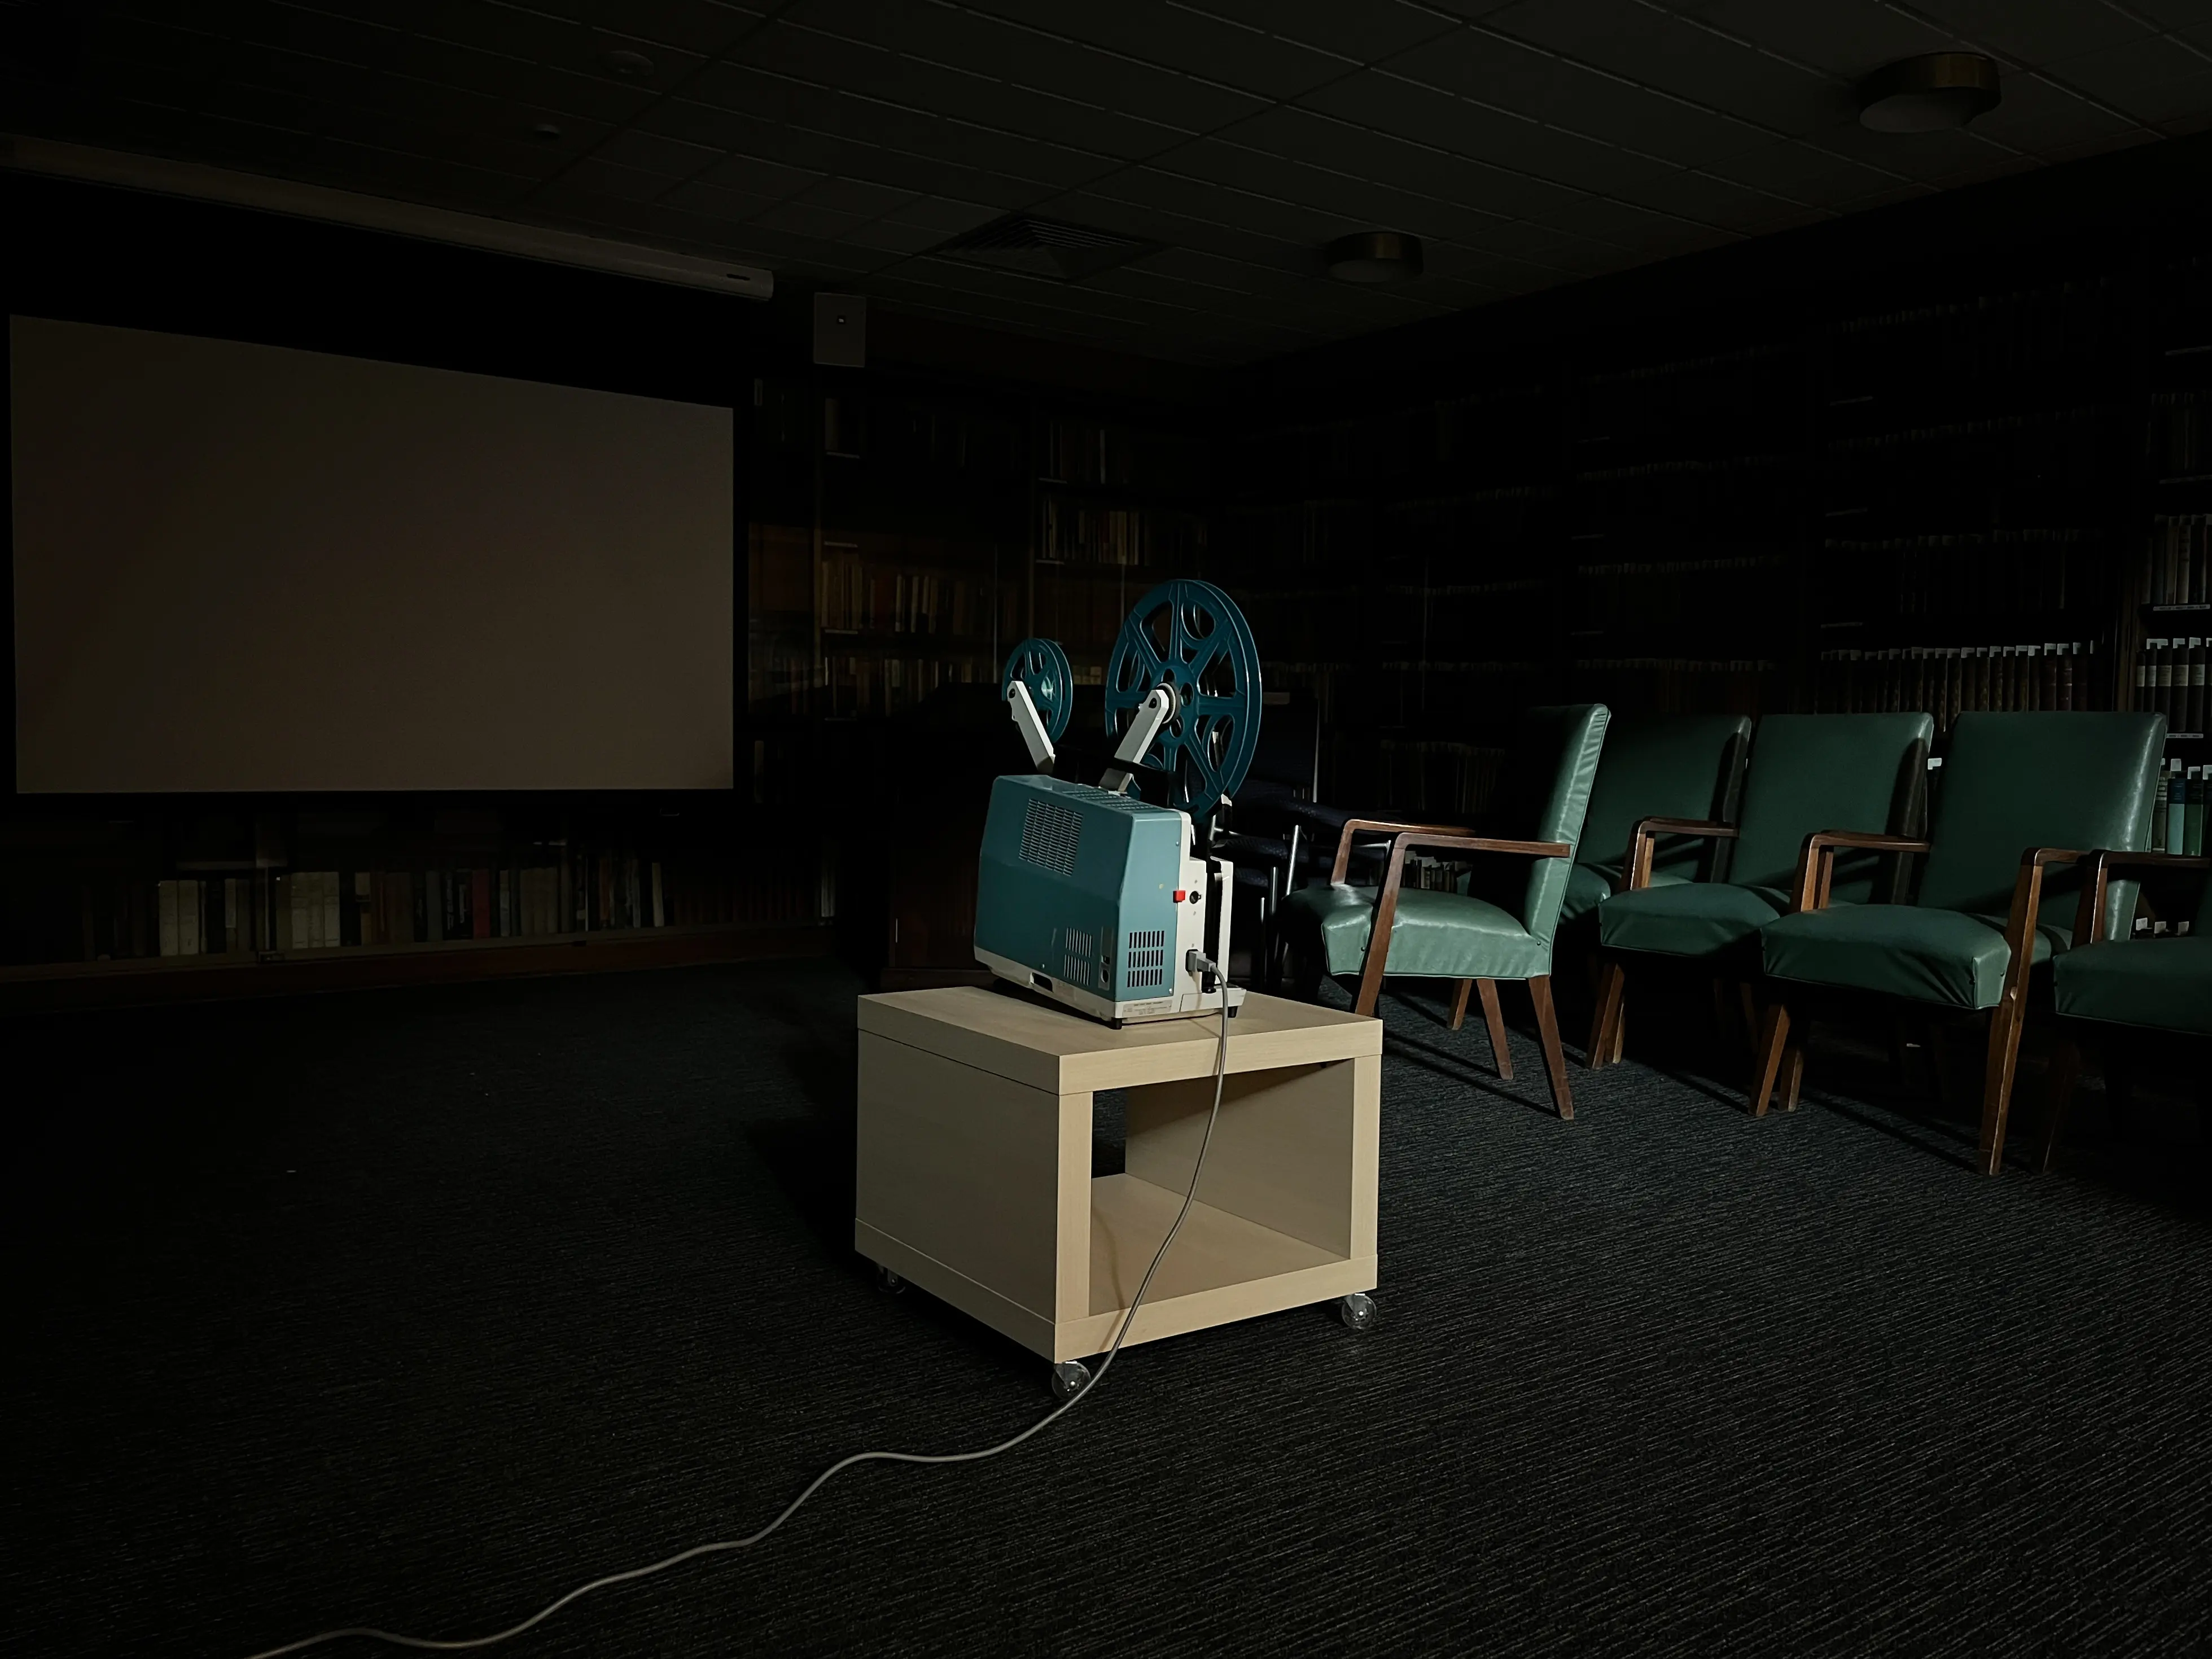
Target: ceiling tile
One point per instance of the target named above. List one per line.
(671, 158)
(1837, 37)
(1530, 158)
(947, 218)
(1524, 80)
(1366, 33)
(1159, 32)
(2033, 31)
(1802, 172)
(774, 99)
(2037, 115)
(828, 60)
(1006, 49)
(1657, 49)
(2153, 80)
(597, 177)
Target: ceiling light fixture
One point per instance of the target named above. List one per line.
(545, 132)
(631, 65)
(1938, 92)
(1374, 255)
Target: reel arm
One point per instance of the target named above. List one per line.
(1024, 711)
(1152, 714)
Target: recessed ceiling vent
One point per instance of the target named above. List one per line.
(1046, 247)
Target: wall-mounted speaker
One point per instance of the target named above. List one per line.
(841, 329)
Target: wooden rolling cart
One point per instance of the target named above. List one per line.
(975, 1182)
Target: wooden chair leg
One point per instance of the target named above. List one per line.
(1548, 1032)
(1996, 1083)
(1493, 1017)
(1773, 1041)
(1750, 1004)
(1792, 1075)
(1606, 1022)
(1459, 1003)
(2065, 1074)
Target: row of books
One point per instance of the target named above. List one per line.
(1076, 452)
(855, 597)
(2170, 680)
(284, 911)
(1946, 681)
(1676, 685)
(2177, 825)
(1078, 532)
(2179, 568)
(2180, 434)
(1719, 401)
(1975, 571)
(1661, 591)
(2015, 339)
(853, 684)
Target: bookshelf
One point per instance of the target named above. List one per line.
(1945, 490)
(233, 900)
(909, 527)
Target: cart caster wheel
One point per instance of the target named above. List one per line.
(1357, 1311)
(889, 1282)
(1069, 1378)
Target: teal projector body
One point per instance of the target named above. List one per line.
(1092, 898)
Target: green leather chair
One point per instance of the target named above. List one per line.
(1501, 921)
(2120, 987)
(1809, 772)
(1661, 766)
(2020, 795)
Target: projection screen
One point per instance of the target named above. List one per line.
(249, 568)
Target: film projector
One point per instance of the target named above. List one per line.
(1110, 904)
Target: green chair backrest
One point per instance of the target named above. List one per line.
(1812, 772)
(2013, 781)
(1543, 794)
(1669, 766)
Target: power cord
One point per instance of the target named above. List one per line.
(1200, 961)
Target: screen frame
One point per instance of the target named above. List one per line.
(79, 254)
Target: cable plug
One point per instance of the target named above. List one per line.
(1195, 961)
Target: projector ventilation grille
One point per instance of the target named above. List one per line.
(1049, 834)
(1147, 958)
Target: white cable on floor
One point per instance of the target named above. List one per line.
(426, 1645)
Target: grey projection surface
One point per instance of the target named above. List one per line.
(248, 567)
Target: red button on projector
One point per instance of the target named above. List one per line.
(1178, 898)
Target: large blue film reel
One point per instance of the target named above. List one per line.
(1041, 665)
(1190, 636)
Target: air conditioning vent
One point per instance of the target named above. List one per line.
(1046, 247)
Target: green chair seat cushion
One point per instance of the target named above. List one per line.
(2163, 984)
(1945, 957)
(1437, 935)
(1700, 919)
(1592, 885)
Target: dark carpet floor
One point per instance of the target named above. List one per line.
(416, 1308)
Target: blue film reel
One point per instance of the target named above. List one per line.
(1041, 665)
(1190, 635)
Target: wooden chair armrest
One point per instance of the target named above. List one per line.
(1384, 826)
(1460, 842)
(2089, 914)
(1643, 842)
(1386, 896)
(1816, 863)
(2026, 902)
